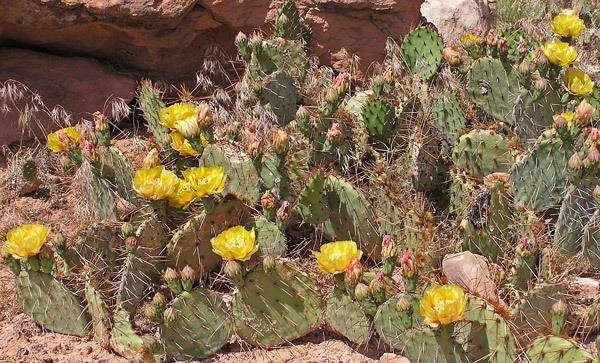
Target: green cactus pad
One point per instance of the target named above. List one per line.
(202, 325)
(428, 171)
(591, 239)
(540, 179)
(276, 307)
(422, 52)
(279, 91)
(278, 54)
(50, 304)
(355, 104)
(242, 177)
(379, 118)
(493, 88)
(490, 338)
(553, 349)
(127, 342)
(448, 117)
(288, 23)
(426, 346)
(575, 212)
(114, 166)
(312, 206)
(271, 241)
(190, 244)
(346, 317)
(390, 322)
(136, 276)
(482, 152)
(151, 104)
(534, 111)
(532, 316)
(99, 313)
(97, 192)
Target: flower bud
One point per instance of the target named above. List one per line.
(575, 162)
(332, 96)
(152, 159)
(377, 285)
(408, 266)
(388, 75)
(255, 40)
(388, 247)
(451, 55)
(523, 247)
(539, 83)
(492, 37)
(172, 278)
(233, 269)
(593, 138)
(525, 67)
(188, 275)
(131, 243)
(539, 57)
(254, 148)
(593, 157)
(521, 47)
(283, 213)
(170, 314)
(205, 117)
(281, 142)
(559, 122)
(159, 301)
(88, 150)
(501, 43)
(334, 134)
(341, 83)
(403, 304)
(268, 263)
(302, 113)
(241, 38)
(151, 313)
(583, 113)
(559, 307)
(354, 272)
(268, 200)
(361, 291)
(127, 230)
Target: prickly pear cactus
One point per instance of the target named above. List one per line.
(448, 117)
(346, 317)
(278, 90)
(557, 350)
(429, 172)
(540, 178)
(97, 192)
(576, 210)
(355, 104)
(482, 152)
(422, 52)
(493, 88)
(591, 239)
(379, 118)
(275, 307)
(391, 320)
(127, 342)
(201, 325)
(151, 104)
(271, 241)
(99, 313)
(288, 23)
(51, 304)
(190, 244)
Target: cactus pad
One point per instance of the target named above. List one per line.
(346, 317)
(552, 349)
(575, 212)
(275, 307)
(422, 52)
(279, 91)
(201, 326)
(448, 117)
(379, 119)
(482, 152)
(271, 241)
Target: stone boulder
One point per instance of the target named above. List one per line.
(169, 39)
(80, 85)
(454, 18)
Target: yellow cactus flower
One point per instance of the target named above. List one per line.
(568, 116)
(578, 83)
(469, 39)
(182, 145)
(443, 305)
(235, 243)
(183, 196)
(25, 241)
(155, 183)
(334, 257)
(181, 117)
(206, 181)
(559, 53)
(64, 139)
(566, 25)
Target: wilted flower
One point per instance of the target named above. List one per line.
(451, 55)
(578, 83)
(254, 148)
(235, 243)
(593, 138)
(151, 159)
(443, 305)
(334, 134)
(25, 241)
(469, 39)
(341, 83)
(523, 247)
(583, 112)
(155, 183)
(564, 119)
(268, 200)
(353, 272)
(334, 257)
(281, 141)
(283, 213)
(575, 162)
(559, 53)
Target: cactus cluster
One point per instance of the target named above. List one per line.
(242, 205)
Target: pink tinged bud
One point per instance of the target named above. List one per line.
(523, 247)
(250, 127)
(341, 83)
(334, 134)
(593, 138)
(205, 117)
(501, 43)
(521, 48)
(539, 57)
(451, 55)
(388, 247)
(281, 142)
(354, 272)
(302, 113)
(575, 162)
(378, 283)
(593, 157)
(88, 150)
(492, 37)
(407, 264)
(283, 213)
(583, 113)
(254, 149)
(268, 200)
